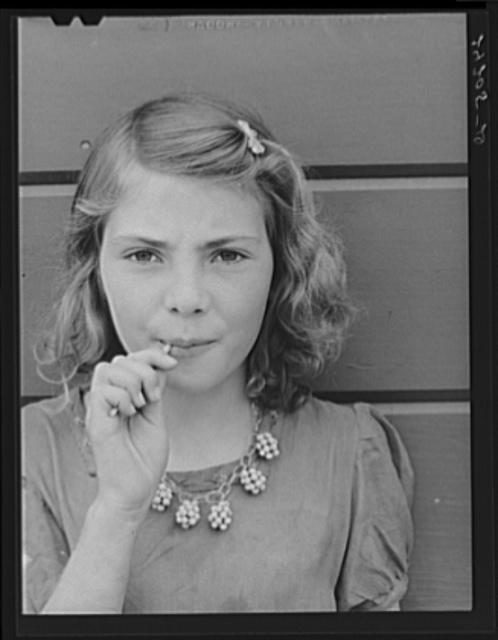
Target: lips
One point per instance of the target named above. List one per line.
(187, 343)
(182, 348)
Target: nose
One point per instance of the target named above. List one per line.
(185, 293)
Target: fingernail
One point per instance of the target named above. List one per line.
(113, 412)
(166, 349)
(141, 400)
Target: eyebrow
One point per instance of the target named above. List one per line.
(161, 244)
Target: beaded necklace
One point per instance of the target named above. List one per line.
(264, 446)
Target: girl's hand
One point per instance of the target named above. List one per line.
(127, 428)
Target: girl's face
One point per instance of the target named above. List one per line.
(189, 263)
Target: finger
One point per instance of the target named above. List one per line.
(157, 356)
(124, 375)
(113, 401)
(148, 376)
(118, 402)
(128, 376)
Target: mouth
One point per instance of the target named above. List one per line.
(182, 348)
(188, 344)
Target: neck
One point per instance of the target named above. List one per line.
(208, 428)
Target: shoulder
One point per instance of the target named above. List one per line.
(359, 423)
(323, 428)
(49, 425)
(49, 414)
(325, 416)
(358, 432)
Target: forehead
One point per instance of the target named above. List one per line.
(153, 199)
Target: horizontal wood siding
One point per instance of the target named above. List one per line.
(441, 569)
(338, 90)
(407, 256)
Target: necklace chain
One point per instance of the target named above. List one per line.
(263, 446)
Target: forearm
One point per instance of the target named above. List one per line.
(96, 575)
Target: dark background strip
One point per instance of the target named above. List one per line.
(313, 172)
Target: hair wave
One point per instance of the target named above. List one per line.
(195, 135)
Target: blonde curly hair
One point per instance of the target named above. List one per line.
(196, 135)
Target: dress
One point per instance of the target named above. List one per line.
(332, 531)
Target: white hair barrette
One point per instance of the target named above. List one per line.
(255, 145)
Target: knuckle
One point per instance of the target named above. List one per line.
(99, 373)
(100, 367)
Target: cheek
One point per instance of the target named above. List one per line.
(123, 304)
(112, 289)
(119, 288)
(248, 304)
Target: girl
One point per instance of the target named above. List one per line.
(188, 468)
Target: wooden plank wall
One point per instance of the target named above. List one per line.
(376, 105)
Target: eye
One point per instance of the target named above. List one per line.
(143, 256)
(229, 256)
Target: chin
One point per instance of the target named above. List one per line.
(191, 387)
(195, 382)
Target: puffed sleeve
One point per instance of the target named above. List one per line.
(44, 544)
(374, 574)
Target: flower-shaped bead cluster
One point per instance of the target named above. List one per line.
(220, 515)
(162, 497)
(253, 480)
(267, 445)
(188, 513)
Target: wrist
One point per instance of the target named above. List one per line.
(110, 515)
